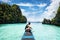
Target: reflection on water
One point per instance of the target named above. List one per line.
(40, 31)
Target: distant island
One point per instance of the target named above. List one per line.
(54, 21)
(34, 21)
(11, 14)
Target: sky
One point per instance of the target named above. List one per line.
(36, 10)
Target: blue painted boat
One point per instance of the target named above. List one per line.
(28, 36)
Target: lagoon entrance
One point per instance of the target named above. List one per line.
(39, 31)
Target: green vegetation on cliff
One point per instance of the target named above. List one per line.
(55, 21)
(11, 14)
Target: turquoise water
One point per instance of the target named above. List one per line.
(40, 31)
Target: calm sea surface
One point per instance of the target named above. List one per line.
(40, 31)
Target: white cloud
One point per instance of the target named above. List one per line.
(25, 4)
(29, 4)
(33, 13)
(51, 10)
(49, 14)
(25, 13)
(32, 17)
(42, 5)
(6, 0)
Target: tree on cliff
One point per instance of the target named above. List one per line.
(57, 17)
(11, 14)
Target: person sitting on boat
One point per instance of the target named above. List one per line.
(28, 28)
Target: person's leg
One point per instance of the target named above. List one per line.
(30, 31)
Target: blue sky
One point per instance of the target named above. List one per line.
(36, 10)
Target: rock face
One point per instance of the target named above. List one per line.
(11, 14)
(46, 21)
(54, 21)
